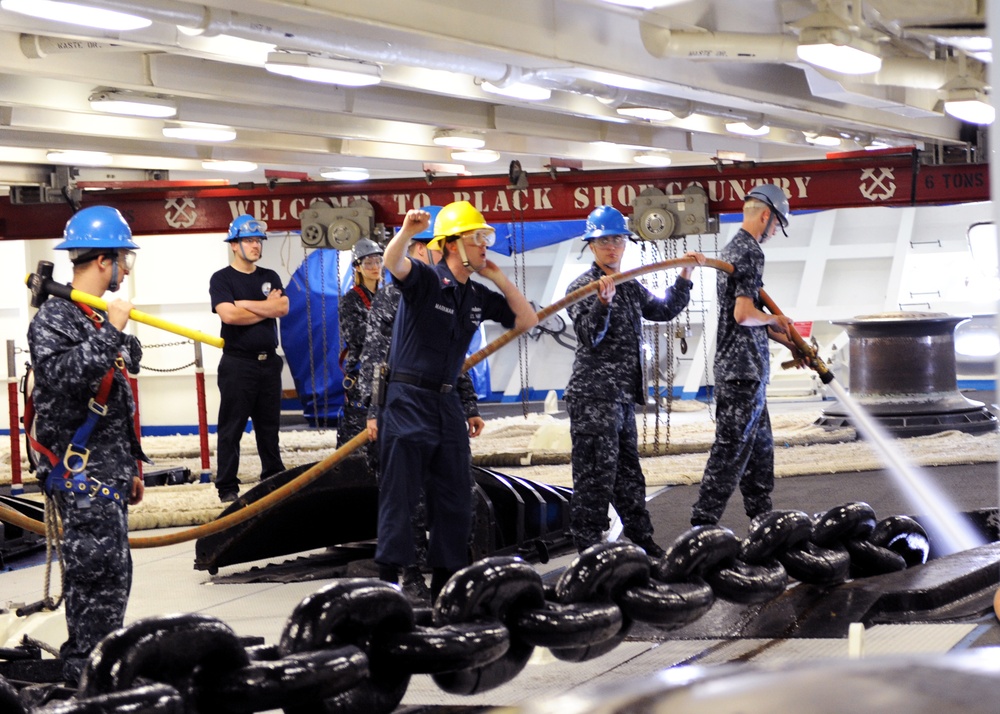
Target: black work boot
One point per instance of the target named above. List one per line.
(652, 549)
(415, 587)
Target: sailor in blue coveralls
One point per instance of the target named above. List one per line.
(423, 436)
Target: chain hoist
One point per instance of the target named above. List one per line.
(645, 338)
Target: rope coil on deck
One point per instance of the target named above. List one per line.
(353, 645)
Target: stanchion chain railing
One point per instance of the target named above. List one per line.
(165, 370)
(353, 645)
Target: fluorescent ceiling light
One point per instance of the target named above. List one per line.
(838, 50)
(80, 158)
(346, 173)
(76, 14)
(970, 105)
(454, 139)
(476, 156)
(114, 101)
(652, 158)
(237, 167)
(875, 144)
(823, 140)
(747, 129)
(644, 4)
(519, 90)
(199, 132)
(313, 68)
(647, 113)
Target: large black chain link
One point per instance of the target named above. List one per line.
(353, 645)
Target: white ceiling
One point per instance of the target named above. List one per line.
(713, 60)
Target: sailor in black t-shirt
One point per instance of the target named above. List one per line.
(248, 300)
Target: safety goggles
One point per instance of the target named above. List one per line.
(483, 237)
(126, 259)
(608, 241)
(372, 261)
(251, 227)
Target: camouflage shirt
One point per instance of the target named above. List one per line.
(353, 312)
(376, 351)
(741, 352)
(607, 365)
(70, 357)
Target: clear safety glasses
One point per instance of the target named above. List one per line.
(480, 238)
(608, 241)
(372, 261)
(252, 240)
(126, 259)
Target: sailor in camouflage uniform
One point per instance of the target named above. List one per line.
(374, 357)
(607, 382)
(743, 451)
(73, 348)
(355, 306)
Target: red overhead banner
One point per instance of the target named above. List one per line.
(877, 179)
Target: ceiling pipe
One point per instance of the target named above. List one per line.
(911, 72)
(718, 46)
(915, 73)
(289, 36)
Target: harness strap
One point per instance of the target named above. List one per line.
(69, 472)
(368, 306)
(364, 296)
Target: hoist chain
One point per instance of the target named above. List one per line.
(353, 645)
(655, 365)
(325, 341)
(709, 393)
(646, 336)
(521, 282)
(309, 333)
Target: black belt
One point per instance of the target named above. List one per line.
(420, 382)
(245, 354)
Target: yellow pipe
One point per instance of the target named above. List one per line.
(140, 316)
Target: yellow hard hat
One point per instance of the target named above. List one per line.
(453, 219)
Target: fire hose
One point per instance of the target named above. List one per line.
(353, 645)
(321, 468)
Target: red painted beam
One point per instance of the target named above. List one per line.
(870, 180)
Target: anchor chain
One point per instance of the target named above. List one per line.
(353, 645)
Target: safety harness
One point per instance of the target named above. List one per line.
(69, 473)
(368, 306)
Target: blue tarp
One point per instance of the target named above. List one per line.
(511, 236)
(312, 311)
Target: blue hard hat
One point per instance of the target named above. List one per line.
(246, 226)
(774, 198)
(606, 221)
(427, 234)
(97, 227)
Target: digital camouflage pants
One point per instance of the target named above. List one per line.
(606, 471)
(743, 453)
